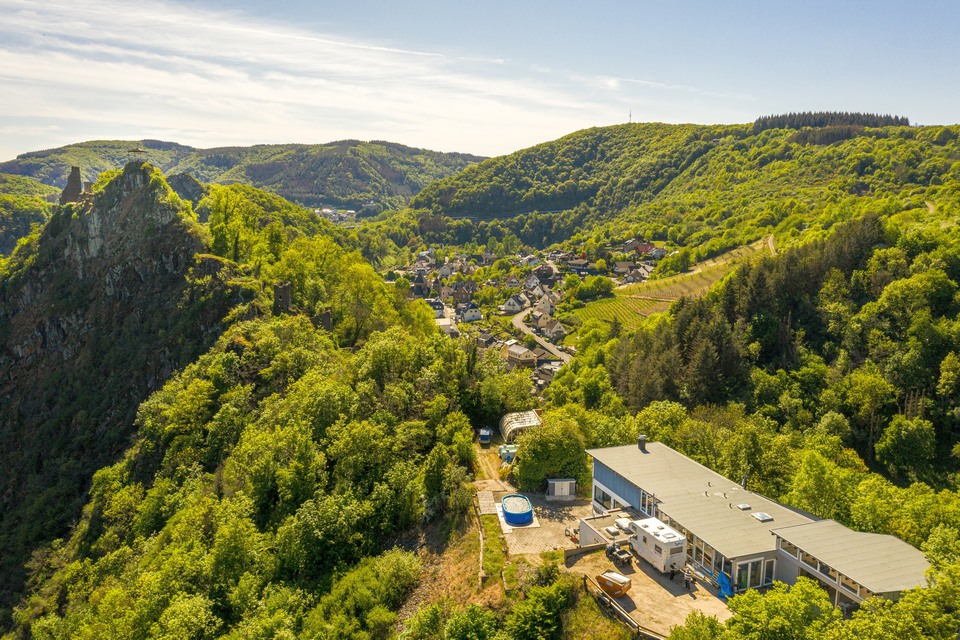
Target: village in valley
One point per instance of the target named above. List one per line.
(519, 310)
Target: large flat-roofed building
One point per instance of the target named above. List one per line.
(741, 539)
(851, 565)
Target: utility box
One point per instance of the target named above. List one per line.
(658, 544)
(613, 584)
(507, 452)
(561, 489)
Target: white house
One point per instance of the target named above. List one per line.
(513, 305)
(545, 305)
(554, 330)
(469, 312)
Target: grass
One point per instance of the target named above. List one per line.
(632, 303)
(586, 621)
(494, 548)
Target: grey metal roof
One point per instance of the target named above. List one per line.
(881, 563)
(701, 500)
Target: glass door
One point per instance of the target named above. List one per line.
(749, 575)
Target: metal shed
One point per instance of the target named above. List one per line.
(561, 489)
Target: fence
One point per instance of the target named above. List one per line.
(612, 607)
(579, 551)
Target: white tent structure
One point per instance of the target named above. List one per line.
(513, 424)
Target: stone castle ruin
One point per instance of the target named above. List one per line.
(74, 188)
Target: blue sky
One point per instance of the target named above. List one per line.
(486, 78)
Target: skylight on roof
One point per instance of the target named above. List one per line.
(762, 516)
(743, 506)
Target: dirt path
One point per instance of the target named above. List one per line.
(450, 571)
(488, 469)
(930, 206)
(770, 243)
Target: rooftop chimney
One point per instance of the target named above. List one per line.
(642, 443)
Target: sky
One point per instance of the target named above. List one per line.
(486, 78)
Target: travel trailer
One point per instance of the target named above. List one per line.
(658, 544)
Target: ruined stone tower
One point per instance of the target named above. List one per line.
(71, 193)
(281, 298)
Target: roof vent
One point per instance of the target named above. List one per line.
(642, 443)
(743, 506)
(762, 516)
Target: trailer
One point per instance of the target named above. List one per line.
(613, 583)
(658, 544)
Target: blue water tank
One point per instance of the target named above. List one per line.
(517, 509)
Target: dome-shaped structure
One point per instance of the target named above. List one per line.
(513, 424)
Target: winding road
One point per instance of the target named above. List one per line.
(518, 322)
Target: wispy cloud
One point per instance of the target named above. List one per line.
(207, 78)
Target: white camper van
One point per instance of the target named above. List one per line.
(658, 544)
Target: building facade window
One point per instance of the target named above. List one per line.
(750, 576)
(768, 571)
(602, 497)
(648, 504)
(703, 555)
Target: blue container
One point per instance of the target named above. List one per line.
(517, 509)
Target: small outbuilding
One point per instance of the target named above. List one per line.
(561, 489)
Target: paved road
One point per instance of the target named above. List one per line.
(517, 321)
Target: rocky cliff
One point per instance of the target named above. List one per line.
(114, 297)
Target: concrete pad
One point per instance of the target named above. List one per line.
(510, 528)
(654, 600)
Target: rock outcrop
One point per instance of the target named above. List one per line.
(74, 188)
(116, 296)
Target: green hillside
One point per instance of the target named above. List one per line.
(345, 174)
(630, 304)
(23, 203)
(116, 293)
(289, 452)
(710, 188)
(188, 456)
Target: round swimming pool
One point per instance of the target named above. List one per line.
(517, 509)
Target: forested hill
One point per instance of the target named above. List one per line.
(346, 174)
(706, 187)
(605, 167)
(244, 494)
(96, 309)
(23, 202)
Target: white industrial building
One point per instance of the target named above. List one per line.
(742, 540)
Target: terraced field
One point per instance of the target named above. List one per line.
(630, 304)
